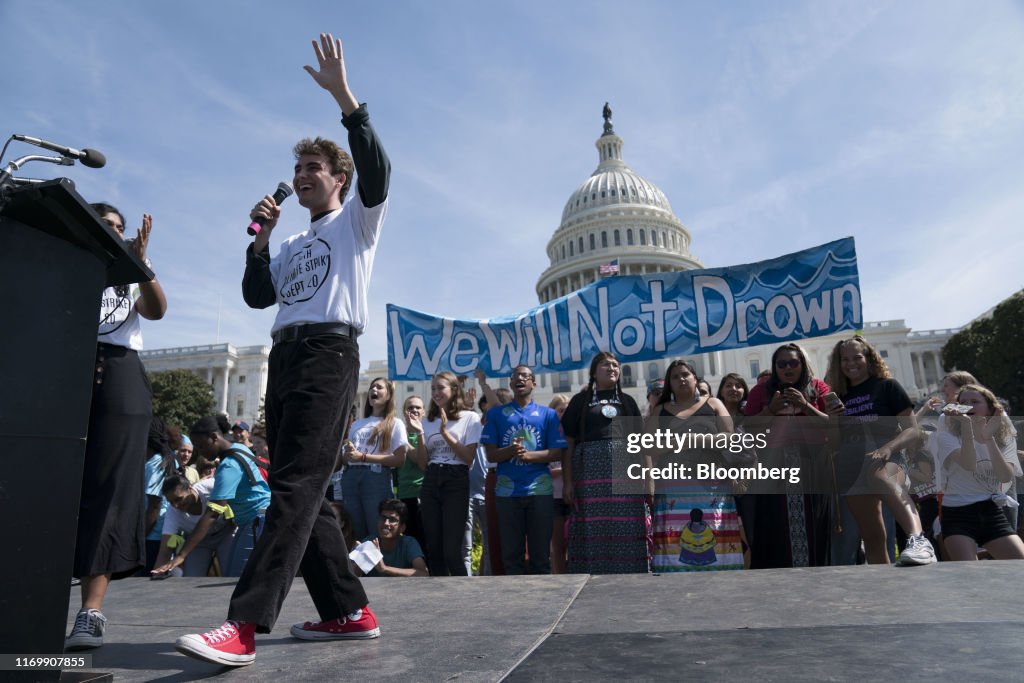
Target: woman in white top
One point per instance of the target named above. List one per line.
(446, 449)
(110, 543)
(376, 444)
(978, 460)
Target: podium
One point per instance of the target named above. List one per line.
(56, 257)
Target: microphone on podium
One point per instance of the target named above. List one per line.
(88, 157)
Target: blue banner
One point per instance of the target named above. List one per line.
(810, 293)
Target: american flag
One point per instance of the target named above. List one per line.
(610, 268)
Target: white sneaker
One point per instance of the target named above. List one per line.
(919, 551)
(87, 632)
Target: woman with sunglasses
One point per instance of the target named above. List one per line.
(447, 447)
(607, 531)
(978, 458)
(791, 529)
(695, 524)
(868, 471)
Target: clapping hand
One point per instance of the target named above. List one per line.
(993, 424)
(141, 240)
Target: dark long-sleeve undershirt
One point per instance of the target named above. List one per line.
(373, 169)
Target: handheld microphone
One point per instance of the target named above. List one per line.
(284, 191)
(88, 157)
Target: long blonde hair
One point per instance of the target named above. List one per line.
(382, 432)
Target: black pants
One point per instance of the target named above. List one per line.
(526, 521)
(444, 504)
(310, 388)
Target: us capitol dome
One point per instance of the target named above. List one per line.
(613, 214)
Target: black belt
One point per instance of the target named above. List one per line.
(297, 332)
(446, 466)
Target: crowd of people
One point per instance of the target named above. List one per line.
(455, 486)
(522, 488)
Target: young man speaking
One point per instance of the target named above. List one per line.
(319, 281)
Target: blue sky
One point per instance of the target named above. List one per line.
(771, 127)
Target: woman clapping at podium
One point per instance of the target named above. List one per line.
(111, 543)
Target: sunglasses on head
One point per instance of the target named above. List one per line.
(791, 363)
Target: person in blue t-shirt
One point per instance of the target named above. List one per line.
(239, 493)
(522, 438)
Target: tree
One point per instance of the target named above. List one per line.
(180, 397)
(991, 350)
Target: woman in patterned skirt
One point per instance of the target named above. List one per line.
(695, 524)
(607, 527)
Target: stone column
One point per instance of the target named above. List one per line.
(919, 370)
(225, 375)
(907, 368)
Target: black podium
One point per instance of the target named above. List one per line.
(56, 257)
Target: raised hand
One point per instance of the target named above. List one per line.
(443, 417)
(142, 238)
(332, 76)
(993, 424)
(415, 424)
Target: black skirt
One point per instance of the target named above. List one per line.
(111, 538)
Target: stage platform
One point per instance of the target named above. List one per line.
(943, 622)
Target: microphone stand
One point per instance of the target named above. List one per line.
(9, 183)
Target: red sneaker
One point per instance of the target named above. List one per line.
(233, 644)
(342, 628)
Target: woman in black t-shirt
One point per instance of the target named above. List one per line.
(607, 529)
(868, 472)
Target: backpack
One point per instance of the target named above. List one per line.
(244, 458)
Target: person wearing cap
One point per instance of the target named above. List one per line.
(240, 434)
(654, 390)
(319, 280)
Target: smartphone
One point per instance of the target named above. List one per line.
(832, 401)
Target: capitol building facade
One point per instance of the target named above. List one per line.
(616, 214)
(615, 217)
